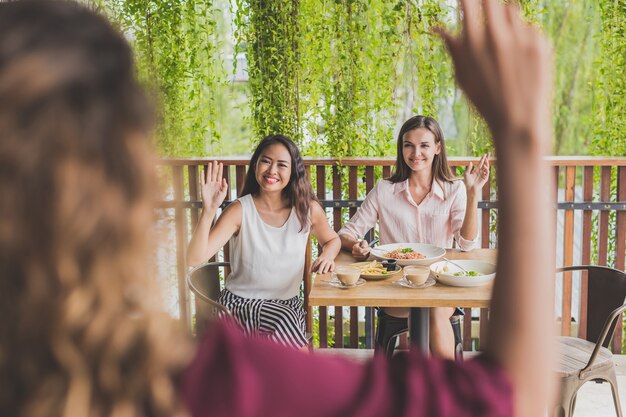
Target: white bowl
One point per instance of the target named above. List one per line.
(431, 252)
(444, 271)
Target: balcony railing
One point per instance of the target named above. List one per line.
(591, 210)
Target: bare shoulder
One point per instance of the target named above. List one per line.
(233, 208)
(232, 214)
(317, 211)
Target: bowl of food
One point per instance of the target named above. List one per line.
(409, 253)
(473, 274)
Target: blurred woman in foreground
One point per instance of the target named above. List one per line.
(81, 334)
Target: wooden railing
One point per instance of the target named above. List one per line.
(593, 186)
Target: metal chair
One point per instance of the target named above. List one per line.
(583, 360)
(204, 283)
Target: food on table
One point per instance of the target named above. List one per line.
(467, 274)
(404, 253)
(374, 268)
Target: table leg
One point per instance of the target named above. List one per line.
(419, 319)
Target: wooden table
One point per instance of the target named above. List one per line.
(386, 293)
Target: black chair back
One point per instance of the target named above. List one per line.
(606, 290)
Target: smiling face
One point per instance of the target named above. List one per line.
(419, 149)
(273, 168)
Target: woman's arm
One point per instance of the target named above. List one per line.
(459, 216)
(363, 220)
(505, 68)
(474, 179)
(207, 240)
(327, 238)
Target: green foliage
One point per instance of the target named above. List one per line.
(176, 53)
(610, 88)
(341, 76)
(270, 30)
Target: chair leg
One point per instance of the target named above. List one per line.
(455, 321)
(612, 380)
(567, 397)
(388, 328)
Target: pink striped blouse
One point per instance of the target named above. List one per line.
(437, 220)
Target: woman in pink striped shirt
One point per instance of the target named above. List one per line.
(422, 202)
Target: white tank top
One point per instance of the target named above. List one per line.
(267, 262)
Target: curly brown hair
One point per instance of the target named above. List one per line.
(82, 333)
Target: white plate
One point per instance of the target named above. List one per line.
(406, 283)
(431, 252)
(338, 284)
(447, 277)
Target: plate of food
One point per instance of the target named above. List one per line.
(376, 270)
(476, 273)
(409, 253)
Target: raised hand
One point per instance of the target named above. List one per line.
(475, 178)
(213, 187)
(504, 66)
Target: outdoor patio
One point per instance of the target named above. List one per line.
(592, 228)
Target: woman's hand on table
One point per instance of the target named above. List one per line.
(361, 250)
(323, 265)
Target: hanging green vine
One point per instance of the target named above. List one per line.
(270, 31)
(175, 48)
(610, 89)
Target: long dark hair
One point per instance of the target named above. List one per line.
(81, 332)
(440, 170)
(299, 191)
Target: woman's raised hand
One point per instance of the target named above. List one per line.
(213, 187)
(476, 177)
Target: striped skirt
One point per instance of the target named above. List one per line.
(279, 320)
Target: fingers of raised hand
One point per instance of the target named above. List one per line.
(484, 166)
(217, 171)
(214, 173)
(471, 21)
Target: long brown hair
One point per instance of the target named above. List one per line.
(440, 170)
(299, 191)
(82, 333)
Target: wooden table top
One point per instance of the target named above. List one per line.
(386, 293)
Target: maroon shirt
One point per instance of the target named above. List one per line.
(242, 377)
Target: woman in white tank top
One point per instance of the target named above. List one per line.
(268, 229)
